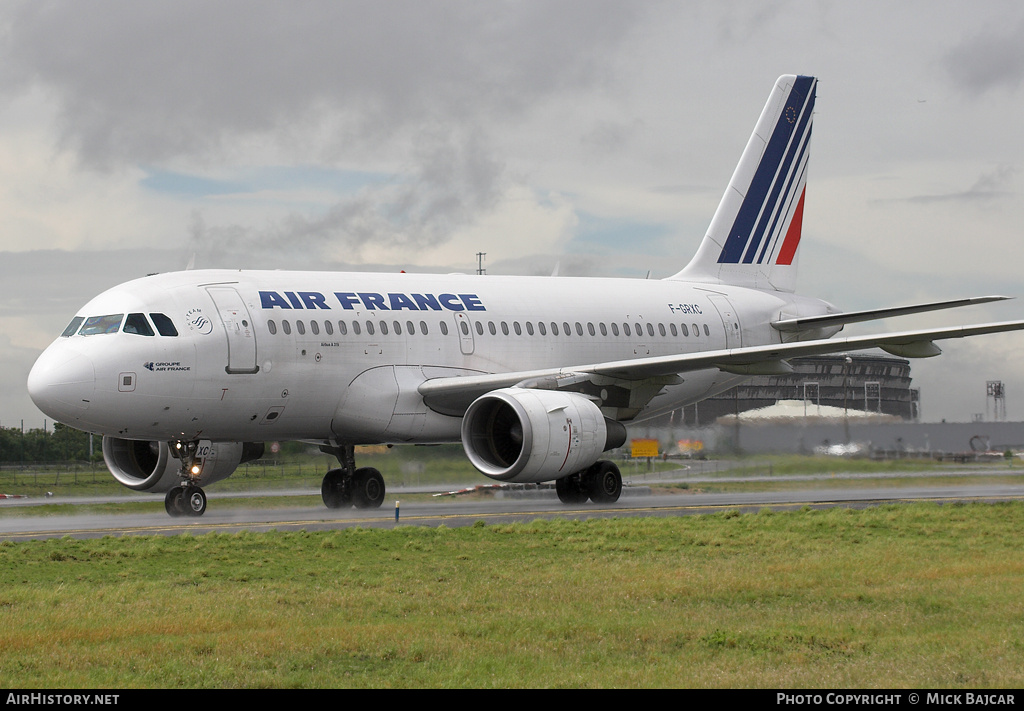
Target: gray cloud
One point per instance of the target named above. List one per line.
(143, 82)
(993, 59)
(453, 180)
(988, 186)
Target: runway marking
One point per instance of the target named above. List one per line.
(201, 527)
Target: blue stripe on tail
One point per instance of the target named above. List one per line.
(769, 193)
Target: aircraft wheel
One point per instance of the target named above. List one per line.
(193, 500)
(334, 491)
(605, 483)
(173, 502)
(570, 490)
(368, 488)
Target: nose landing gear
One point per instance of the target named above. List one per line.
(188, 499)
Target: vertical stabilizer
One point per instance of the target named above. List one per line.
(755, 233)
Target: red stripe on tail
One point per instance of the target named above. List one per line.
(792, 240)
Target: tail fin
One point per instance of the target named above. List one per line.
(754, 235)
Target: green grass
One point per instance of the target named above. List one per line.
(920, 595)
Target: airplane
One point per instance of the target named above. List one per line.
(186, 374)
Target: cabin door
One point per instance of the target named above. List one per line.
(234, 316)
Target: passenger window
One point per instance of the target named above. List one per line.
(490, 327)
(286, 327)
(479, 328)
(696, 330)
(661, 329)
(625, 329)
(504, 328)
(423, 328)
(554, 328)
(615, 329)
(650, 330)
(314, 327)
(342, 328)
(686, 331)
(444, 328)
(369, 328)
(706, 331)
(73, 326)
(579, 329)
(565, 328)
(675, 332)
(356, 329)
(543, 328)
(410, 328)
(383, 328)
(300, 326)
(590, 329)
(517, 328)
(97, 325)
(604, 329)
(272, 327)
(465, 328)
(398, 328)
(329, 327)
(164, 325)
(529, 327)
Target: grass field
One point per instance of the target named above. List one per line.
(921, 596)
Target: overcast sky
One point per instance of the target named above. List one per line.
(597, 136)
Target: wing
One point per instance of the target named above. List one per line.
(452, 395)
(845, 317)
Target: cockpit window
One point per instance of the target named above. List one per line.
(164, 325)
(95, 325)
(137, 324)
(73, 326)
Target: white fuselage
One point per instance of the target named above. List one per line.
(262, 355)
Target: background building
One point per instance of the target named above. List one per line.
(872, 382)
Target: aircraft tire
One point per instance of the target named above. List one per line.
(368, 488)
(173, 502)
(193, 501)
(605, 483)
(570, 490)
(334, 490)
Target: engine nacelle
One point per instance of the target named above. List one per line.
(150, 466)
(522, 435)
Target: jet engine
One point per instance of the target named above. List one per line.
(151, 466)
(523, 435)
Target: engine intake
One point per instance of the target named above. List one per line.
(151, 466)
(523, 435)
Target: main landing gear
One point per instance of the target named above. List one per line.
(348, 486)
(187, 499)
(601, 483)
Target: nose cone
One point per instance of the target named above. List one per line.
(62, 382)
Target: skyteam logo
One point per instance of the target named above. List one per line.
(768, 223)
(198, 322)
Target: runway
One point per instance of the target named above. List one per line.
(636, 501)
